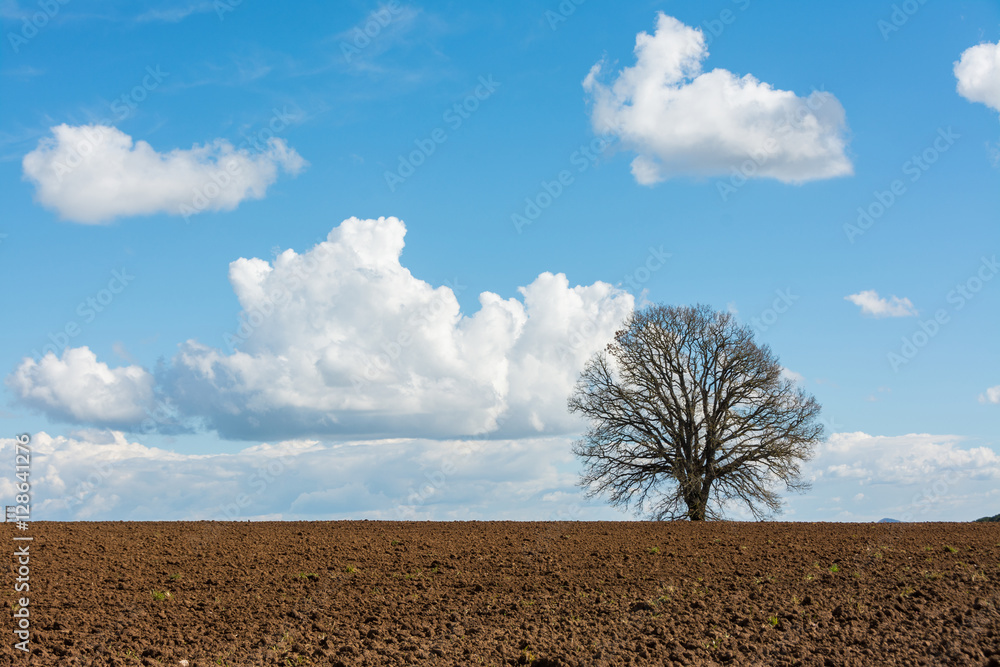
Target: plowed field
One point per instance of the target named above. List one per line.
(560, 593)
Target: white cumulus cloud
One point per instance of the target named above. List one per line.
(992, 395)
(978, 74)
(872, 304)
(78, 388)
(681, 120)
(95, 173)
(343, 340)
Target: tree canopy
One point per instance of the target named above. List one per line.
(688, 414)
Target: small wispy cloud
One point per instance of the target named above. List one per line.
(788, 374)
(380, 30)
(875, 306)
(174, 14)
(23, 72)
(991, 395)
(874, 398)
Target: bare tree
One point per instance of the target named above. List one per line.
(687, 412)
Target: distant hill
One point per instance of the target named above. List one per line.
(989, 519)
(888, 520)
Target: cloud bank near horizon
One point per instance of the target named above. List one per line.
(97, 474)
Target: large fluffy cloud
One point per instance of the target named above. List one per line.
(872, 304)
(79, 388)
(681, 120)
(104, 475)
(343, 340)
(978, 74)
(94, 173)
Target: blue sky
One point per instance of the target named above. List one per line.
(545, 174)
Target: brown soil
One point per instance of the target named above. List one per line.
(401, 593)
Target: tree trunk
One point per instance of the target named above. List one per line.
(696, 508)
(698, 502)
